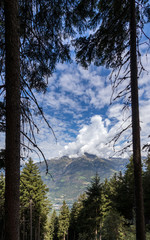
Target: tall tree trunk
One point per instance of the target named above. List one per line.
(39, 228)
(12, 119)
(96, 234)
(23, 227)
(31, 219)
(140, 224)
(64, 237)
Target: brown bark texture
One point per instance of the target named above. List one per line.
(12, 66)
(140, 223)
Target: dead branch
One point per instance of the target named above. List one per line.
(30, 149)
(36, 146)
(2, 86)
(40, 110)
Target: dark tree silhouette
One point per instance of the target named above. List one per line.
(140, 223)
(12, 63)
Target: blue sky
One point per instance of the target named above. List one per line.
(77, 106)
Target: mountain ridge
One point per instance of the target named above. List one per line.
(71, 176)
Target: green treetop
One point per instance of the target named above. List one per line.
(93, 203)
(63, 221)
(76, 220)
(121, 192)
(33, 200)
(53, 226)
(90, 215)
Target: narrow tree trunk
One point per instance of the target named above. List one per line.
(12, 66)
(31, 219)
(140, 225)
(23, 227)
(100, 234)
(96, 234)
(36, 238)
(64, 236)
(39, 228)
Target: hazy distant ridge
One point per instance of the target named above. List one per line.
(72, 175)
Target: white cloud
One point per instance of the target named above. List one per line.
(80, 94)
(92, 138)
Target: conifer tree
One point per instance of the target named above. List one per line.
(33, 195)
(76, 218)
(114, 43)
(94, 206)
(89, 218)
(107, 203)
(113, 226)
(121, 193)
(73, 233)
(63, 221)
(53, 226)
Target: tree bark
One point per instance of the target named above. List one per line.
(12, 66)
(39, 228)
(23, 227)
(31, 219)
(140, 224)
(64, 236)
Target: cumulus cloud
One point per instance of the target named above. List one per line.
(76, 96)
(93, 138)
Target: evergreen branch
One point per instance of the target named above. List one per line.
(39, 41)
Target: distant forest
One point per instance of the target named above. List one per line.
(104, 211)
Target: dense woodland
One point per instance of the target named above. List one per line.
(106, 210)
(34, 37)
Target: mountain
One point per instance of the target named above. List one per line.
(71, 176)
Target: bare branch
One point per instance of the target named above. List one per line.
(35, 145)
(40, 110)
(30, 118)
(2, 86)
(117, 136)
(30, 149)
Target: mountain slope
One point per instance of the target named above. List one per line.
(71, 176)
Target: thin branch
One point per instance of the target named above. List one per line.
(2, 86)
(117, 136)
(35, 145)
(40, 110)
(29, 119)
(30, 149)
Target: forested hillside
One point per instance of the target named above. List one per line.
(71, 176)
(104, 210)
